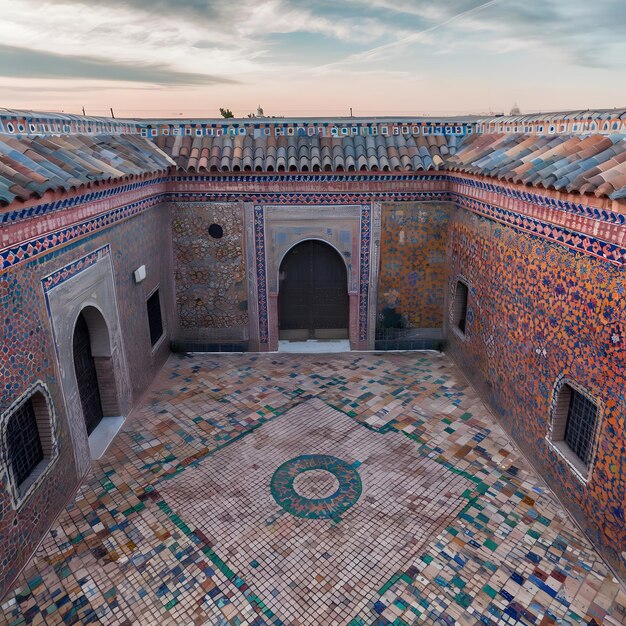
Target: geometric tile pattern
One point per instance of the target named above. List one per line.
(12, 256)
(592, 241)
(571, 238)
(412, 256)
(69, 271)
(123, 552)
(578, 335)
(316, 486)
(317, 571)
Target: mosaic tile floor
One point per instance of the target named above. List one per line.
(303, 490)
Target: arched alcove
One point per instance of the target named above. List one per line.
(93, 367)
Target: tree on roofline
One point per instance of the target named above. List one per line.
(226, 113)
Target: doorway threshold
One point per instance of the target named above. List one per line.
(102, 436)
(312, 346)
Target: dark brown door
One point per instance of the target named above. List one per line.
(313, 296)
(86, 376)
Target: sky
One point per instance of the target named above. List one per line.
(170, 58)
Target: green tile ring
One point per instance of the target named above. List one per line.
(330, 507)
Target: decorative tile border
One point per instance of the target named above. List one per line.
(39, 123)
(602, 122)
(346, 177)
(541, 200)
(574, 122)
(261, 271)
(364, 273)
(340, 128)
(558, 234)
(9, 257)
(313, 198)
(576, 208)
(75, 267)
(261, 275)
(588, 244)
(75, 201)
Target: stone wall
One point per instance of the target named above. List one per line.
(211, 287)
(412, 277)
(537, 313)
(28, 356)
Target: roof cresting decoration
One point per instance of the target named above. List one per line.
(33, 123)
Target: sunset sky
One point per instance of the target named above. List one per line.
(165, 58)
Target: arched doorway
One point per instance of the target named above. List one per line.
(313, 293)
(85, 365)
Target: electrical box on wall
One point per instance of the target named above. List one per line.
(140, 273)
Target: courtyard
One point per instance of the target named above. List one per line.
(303, 490)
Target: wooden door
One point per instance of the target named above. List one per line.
(313, 293)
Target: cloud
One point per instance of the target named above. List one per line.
(577, 31)
(421, 36)
(255, 19)
(512, 50)
(23, 63)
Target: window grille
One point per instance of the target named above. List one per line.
(154, 317)
(580, 428)
(23, 442)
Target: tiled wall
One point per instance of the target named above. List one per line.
(211, 288)
(413, 272)
(28, 355)
(537, 312)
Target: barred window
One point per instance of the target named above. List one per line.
(23, 442)
(582, 415)
(29, 441)
(574, 425)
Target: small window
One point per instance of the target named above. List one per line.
(24, 442)
(459, 311)
(28, 441)
(154, 318)
(574, 423)
(216, 231)
(582, 415)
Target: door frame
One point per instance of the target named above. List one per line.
(352, 229)
(86, 282)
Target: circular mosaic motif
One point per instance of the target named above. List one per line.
(316, 486)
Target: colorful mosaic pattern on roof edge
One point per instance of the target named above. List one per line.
(29, 167)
